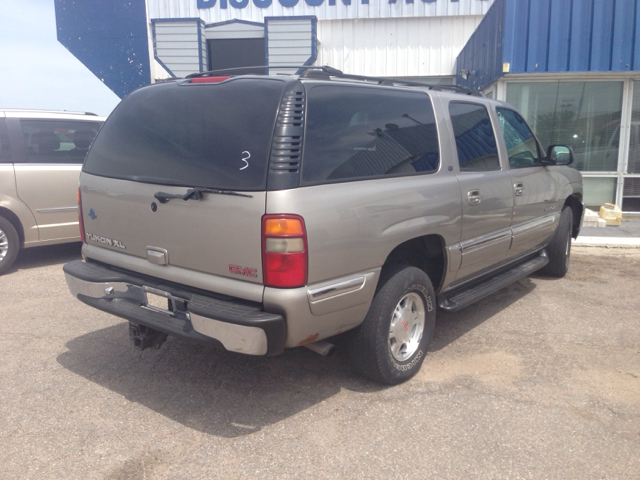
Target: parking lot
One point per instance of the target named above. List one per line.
(541, 380)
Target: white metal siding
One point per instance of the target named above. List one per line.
(234, 30)
(176, 45)
(375, 9)
(400, 47)
(203, 47)
(289, 42)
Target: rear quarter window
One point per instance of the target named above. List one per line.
(5, 149)
(358, 133)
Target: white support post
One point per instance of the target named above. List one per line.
(625, 138)
(501, 90)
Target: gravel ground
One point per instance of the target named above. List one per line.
(540, 380)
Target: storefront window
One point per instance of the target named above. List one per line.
(584, 115)
(598, 191)
(631, 195)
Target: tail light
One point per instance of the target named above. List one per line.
(210, 79)
(80, 218)
(284, 251)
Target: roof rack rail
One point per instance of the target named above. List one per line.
(325, 71)
(261, 68)
(41, 110)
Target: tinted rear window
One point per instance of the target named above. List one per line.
(368, 132)
(201, 135)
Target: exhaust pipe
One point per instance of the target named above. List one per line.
(323, 348)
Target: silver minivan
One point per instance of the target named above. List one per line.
(41, 154)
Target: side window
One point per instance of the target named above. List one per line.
(5, 150)
(475, 141)
(357, 133)
(58, 141)
(521, 144)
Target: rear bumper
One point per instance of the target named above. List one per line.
(236, 325)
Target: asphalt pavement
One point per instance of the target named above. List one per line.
(540, 380)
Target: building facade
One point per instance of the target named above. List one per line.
(570, 66)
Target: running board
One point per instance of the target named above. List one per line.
(458, 299)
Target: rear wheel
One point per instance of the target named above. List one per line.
(390, 345)
(559, 249)
(9, 245)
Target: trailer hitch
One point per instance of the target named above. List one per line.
(144, 337)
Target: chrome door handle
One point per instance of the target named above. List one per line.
(518, 189)
(474, 197)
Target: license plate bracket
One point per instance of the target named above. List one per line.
(158, 300)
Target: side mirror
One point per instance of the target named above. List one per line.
(559, 155)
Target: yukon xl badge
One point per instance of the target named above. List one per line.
(105, 241)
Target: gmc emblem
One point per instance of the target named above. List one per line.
(246, 271)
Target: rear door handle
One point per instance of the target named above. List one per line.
(518, 189)
(474, 197)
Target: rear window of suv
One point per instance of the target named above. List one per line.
(197, 135)
(368, 132)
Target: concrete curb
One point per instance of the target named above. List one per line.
(618, 242)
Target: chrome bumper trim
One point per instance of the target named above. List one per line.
(235, 338)
(94, 290)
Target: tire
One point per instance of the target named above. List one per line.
(9, 245)
(390, 345)
(559, 249)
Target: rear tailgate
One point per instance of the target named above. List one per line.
(218, 234)
(169, 139)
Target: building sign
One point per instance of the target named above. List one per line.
(202, 4)
(214, 11)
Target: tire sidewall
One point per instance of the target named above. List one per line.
(14, 245)
(407, 280)
(559, 248)
(568, 237)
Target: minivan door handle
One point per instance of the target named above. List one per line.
(474, 197)
(518, 189)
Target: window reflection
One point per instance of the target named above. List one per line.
(475, 141)
(583, 115)
(361, 133)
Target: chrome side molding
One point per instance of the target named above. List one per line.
(57, 209)
(335, 289)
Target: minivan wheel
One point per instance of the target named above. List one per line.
(559, 249)
(9, 245)
(390, 345)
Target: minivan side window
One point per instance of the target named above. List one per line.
(358, 133)
(5, 150)
(475, 141)
(58, 141)
(521, 144)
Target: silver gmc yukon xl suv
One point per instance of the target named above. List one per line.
(263, 212)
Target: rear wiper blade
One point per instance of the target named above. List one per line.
(196, 194)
